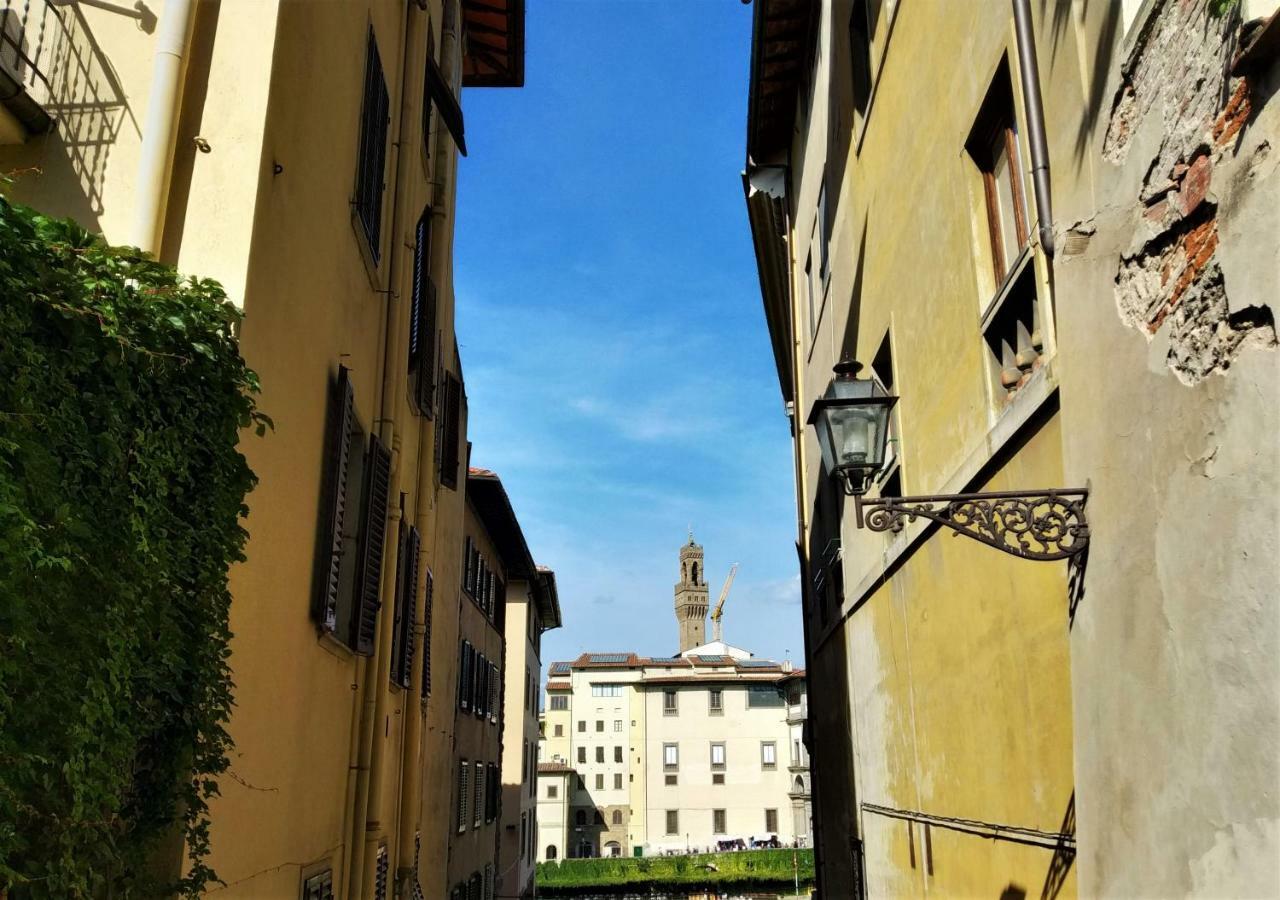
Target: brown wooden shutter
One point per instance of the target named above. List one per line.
(452, 401)
(428, 589)
(372, 155)
(342, 414)
(422, 322)
(464, 675)
(364, 619)
(406, 600)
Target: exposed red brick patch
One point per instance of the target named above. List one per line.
(1195, 184)
(1190, 259)
(1234, 116)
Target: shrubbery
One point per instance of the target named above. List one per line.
(746, 867)
(122, 399)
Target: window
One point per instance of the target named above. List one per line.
(380, 874)
(891, 480)
(768, 754)
(669, 703)
(715, 702)
(448, 430)
(759, 695)
(670, 757)
(582, 726)
(559, 730)
(551, 851)
(717, 778)
(464, 676)
(670, 780)
(599, 754)
(372, 155)
(428, 591)
(599, 725)
(318, 886)
(617, 754)
(617, 817)
(617, 781)
(993, 144)
(606, 690)
(771, 821)
(478, 812)
(617, 725)
(524, 832)
(580, 817)
(582, 754)
(344, 449)
(599, 782)
(673, 821)
(405, 598)
(811, 291)
(717, 756)
(553, 791)
(718, 821)
(422, 322)
(463, 794)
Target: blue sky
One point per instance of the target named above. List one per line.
(616, 359)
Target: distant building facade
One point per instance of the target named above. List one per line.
(646, 755)
(1050, 229)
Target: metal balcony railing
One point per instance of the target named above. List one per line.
(29, 31)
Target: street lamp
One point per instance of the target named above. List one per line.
(851, 419)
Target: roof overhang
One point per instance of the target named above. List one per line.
(493, 506)
(767, 215)
(547, 598)
(494, 43)
(781, 46)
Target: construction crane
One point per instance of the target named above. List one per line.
(724, 595)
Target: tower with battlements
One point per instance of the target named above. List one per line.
(691, 597)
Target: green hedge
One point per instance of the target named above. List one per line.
(746, 866)
(122, 398)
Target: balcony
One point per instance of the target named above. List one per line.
(798, 712)
(28, 35)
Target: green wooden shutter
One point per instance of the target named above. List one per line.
(428, 589)
(372, 155)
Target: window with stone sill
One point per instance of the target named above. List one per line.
(1012, 333)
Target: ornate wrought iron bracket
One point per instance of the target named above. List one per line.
(1043, 525)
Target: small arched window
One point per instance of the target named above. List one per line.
(582, 817)
(551, 851)
(799, 785)
(695, 573)
(617, 817)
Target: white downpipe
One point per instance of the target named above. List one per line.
(161, 123)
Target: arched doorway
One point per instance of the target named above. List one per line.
(551, 851)
(613, 848)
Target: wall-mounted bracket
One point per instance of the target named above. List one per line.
(1044, 525)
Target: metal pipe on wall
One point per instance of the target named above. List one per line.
(161, 124)
(1029, 70)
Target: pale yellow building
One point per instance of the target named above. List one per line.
(305, 155)
(1042, 228)
(647, 755)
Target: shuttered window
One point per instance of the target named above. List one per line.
(450, 411)
(380, 875)
(428, 591)
(422, 322)
(477, 811)
(373, 538)
(338, 453)
(478, 687)
(465, 676)
(318, 886)
(406, 600)
(468, 560)
(463, 794)
(493, 692)
(372, 156)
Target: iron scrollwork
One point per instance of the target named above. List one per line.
(1043, 525)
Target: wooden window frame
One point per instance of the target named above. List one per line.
(994, 136)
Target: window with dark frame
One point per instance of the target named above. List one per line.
(449, 428)
(428, 590)
(372, 154)
(673, 821)
(718, 821)
(318, 886)
(771, 821)
(715, 702)
(405, 601)
(993, 145)
(669, 707)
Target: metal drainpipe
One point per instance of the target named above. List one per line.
(367, 822)
(1029, 69)
(161, 124)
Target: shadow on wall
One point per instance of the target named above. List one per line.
(1108, 41)
(89, 107)
(1013, 892)
(1064, 855)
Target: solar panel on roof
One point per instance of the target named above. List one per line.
(713, 659)
(608, 657)
(560, 668)
(758, 664)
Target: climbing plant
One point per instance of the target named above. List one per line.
(123, 396)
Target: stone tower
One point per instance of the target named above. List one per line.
(691, 597)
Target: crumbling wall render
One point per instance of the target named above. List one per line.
(1170, 283)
